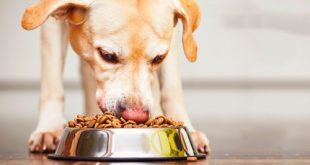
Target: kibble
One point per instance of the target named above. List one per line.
(109, 120)
(191, 158)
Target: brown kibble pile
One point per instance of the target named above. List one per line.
(108, 120)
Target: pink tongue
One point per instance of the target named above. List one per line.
(138, 116)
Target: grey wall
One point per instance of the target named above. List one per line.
(239, 40)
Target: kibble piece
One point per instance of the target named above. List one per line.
(128, 126)
(179, 123)
(116, 120)
(102, 119)
(96, 125)
(108, 126)
(159, 121)
(89, 118)
(149, 122)
(79, 120)
(80, 116)
(79, 125)
(116, 125)
(110, 117)
(91, 124)
(192, 158)
(122, 120)
(131, 122)
(71, 124)
(101, 126)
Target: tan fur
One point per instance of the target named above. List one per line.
(136, 31)
(189, 13)
(38, 13)
(193, 11)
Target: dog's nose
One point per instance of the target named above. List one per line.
(136, 112)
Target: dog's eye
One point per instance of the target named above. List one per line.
(158, 59)
(108, 57)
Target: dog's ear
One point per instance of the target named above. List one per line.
(74, 11)
(188, 11)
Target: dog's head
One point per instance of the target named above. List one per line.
(124, 41)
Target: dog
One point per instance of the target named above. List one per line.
(129, 60)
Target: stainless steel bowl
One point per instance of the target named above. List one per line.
(125, 144)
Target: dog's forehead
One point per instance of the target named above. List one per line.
(125, 20)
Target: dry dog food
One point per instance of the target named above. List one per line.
(108, 120)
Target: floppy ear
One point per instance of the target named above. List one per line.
(189, 13)
(73, 10)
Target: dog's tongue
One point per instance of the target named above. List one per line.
(136, 115)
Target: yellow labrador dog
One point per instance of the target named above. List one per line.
(129, 59)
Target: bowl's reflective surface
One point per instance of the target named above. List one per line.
(126, 143)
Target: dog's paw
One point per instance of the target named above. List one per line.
(201, 141)
(44, 141)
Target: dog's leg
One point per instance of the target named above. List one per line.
(54, 43)
(89, 86)
(156, 110)
(172, 94)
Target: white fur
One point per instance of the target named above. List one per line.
(172, 101)
(51, 118)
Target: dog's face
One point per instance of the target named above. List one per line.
(128, 44)
(124, 42)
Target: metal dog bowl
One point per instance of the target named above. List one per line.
(125, 144)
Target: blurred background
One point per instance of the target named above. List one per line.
(249, 90)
